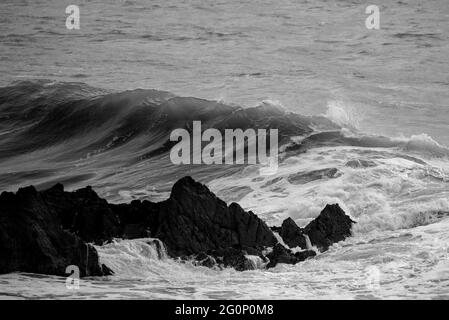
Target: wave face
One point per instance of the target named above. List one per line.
(396, 188)
(119, 143)
(77, 134)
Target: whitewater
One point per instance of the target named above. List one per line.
(362, 118)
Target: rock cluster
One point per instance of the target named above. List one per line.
(44, 232)
(32, 239)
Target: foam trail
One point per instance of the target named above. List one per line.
(381, 188)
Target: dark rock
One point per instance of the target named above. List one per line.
(252, 251)
(305, 254)
(134, 231)
(235, 258)
(45, 231)
(32, 239)
(136, 218)
(281, 254)
(331, 226)
(205, 260)
(83, 213)
(292, 235)
(106, 270)
(194, 220)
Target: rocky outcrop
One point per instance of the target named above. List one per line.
(32, 239)
(46, 231)
(83, 213)
(138, 219)
(281, 254)
(194, 220)
(292, 235)
(331, 226)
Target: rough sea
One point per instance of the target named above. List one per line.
(78, 107)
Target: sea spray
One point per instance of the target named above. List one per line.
(133, 258)
(255, 261)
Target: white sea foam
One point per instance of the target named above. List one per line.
(396, 201)
(256, 261)
(392, 192)
(404, 264)
(134, 258)
(275, 104)
(424, 144)
(343, 114)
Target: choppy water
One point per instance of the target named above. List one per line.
(306, 54)
(384, 157)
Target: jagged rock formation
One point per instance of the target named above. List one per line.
(193, 220)
(44, 232)
(32, 240)
(292, 235)
(281, 254)
(83, 213)
(331, 226)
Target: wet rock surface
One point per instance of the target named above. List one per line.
(292, 235)
(83, 212)
(44, 232)
(194, 220)
(32, 239)
(331, 226)
(281, 254)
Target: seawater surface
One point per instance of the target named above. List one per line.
(90, 107)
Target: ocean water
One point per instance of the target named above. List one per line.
(92, 107)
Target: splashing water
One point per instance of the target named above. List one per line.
(371, 137)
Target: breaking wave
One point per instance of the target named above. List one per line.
(118, 141)
(395, 188)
